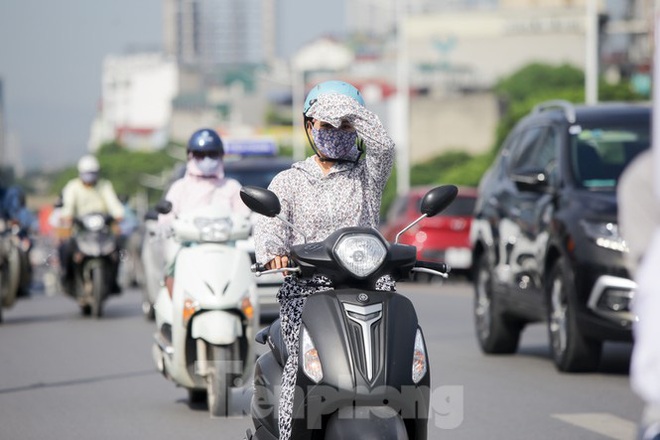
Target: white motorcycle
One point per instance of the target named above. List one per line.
(153, 262)
(206, 329)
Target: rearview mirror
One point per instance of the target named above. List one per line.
(261, 200)
(437, 199)
(433, 202)
(163, 207)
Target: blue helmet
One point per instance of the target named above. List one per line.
(206, 140)
(340, 87)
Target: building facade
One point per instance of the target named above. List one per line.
(212, 33)
(136, 101)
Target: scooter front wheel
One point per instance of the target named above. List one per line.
(99, 287)
(217, 385)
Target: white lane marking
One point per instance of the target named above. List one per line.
(605, 424)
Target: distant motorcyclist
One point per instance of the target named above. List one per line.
(204, 183)
(88, 193)
(23, 223)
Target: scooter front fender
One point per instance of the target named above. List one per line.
(163, 308)
(216, 327)
(366, 422)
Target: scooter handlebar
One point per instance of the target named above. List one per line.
(257, 267)
(439, 269)
(260, 269)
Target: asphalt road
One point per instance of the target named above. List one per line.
(63, 376)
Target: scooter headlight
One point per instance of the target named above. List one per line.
(311, 362)
(360, 254)
(93, 222)
(213, 229)
(419, 364)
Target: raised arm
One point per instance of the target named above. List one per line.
(334, 108)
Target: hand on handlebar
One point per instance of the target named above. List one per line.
(279, 262)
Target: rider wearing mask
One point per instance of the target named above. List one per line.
(86, 194)
(334, 188)
(204, 183)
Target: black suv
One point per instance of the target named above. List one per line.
(545, 240)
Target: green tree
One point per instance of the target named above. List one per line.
(538, 82)
(518, 93)
(124, 168)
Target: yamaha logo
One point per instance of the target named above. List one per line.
(363, 297)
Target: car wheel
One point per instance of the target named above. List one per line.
(571, 350)
(496, 333)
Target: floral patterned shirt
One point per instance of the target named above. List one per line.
(349, 195)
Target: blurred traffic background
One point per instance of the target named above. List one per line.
(130, 82)
(448, 79)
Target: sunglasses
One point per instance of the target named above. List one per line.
(203, 154)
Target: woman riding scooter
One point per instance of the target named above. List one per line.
(333, 188)
(204, 183)
(207, 317)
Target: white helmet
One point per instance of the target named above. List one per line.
(88, 164)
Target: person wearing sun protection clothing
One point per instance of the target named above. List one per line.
(334, 188)
(203, 183)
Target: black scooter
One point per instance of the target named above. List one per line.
(95, 256)
(363, 368)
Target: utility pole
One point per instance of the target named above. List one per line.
(591, 62)
(402, 103)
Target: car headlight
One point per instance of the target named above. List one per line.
(93, 222)
(360, 254)
(605, 235)
(419, 358)
(213, 229)
(311, 362)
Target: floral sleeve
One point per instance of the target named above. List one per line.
(272, 237)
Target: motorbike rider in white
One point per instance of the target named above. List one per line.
(327, 191)
(84, 195)
(204, 183)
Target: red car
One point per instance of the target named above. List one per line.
(443, 238)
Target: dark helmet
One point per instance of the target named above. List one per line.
(206, 140)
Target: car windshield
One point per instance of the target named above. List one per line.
(600, 153)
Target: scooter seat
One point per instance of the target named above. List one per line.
(272, 335)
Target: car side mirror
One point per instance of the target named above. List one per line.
(533, 181)
(163, 207)
(261, 200)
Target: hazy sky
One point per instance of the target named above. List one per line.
(51, 54)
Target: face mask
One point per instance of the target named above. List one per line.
(334, 143)
(207, 166)
(89, 178)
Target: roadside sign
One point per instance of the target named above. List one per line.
(250, 147)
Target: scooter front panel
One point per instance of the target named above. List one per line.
(349, 327)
